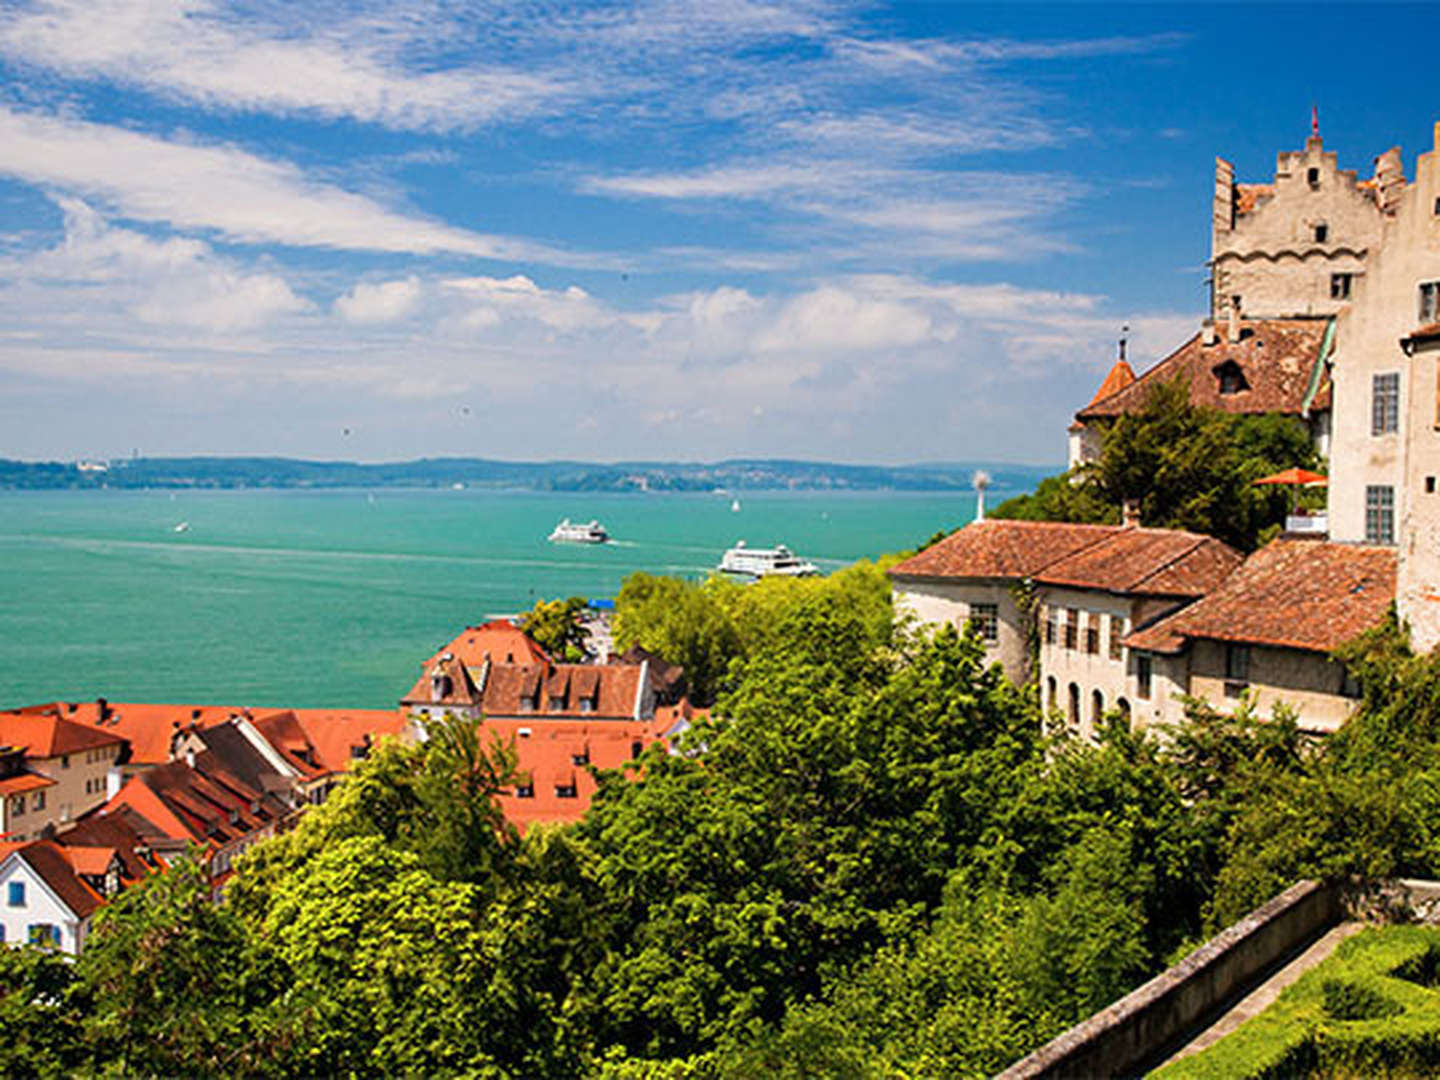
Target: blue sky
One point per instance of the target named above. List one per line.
(682, 229)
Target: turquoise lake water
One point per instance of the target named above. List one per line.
(316, 598)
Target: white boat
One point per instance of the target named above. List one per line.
(735, 507)
(184, 526)
(779, 561)
(591, 532)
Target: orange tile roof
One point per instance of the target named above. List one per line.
(499, 639)
(48, 860)
(1114, 558)
(336, 734)
(612, 688)
(1249, 196)
(50, 731)
(1275, 357)
(147, 727)
(1121, 376)
(18, 785)
(1147, 562)
(1299, 594)
(1002, 549)
(462, 691)
(546, 756)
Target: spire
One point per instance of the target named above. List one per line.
(1314, 121)
(1121, 375)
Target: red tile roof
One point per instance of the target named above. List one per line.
(1299, 594)
(205, 803)
(1148, 562)
(1276, 359)
(17, 785)
(1002, 549)
(499, 639)
(1115, 558)
(48, 861)
(459, 687)
(610, 689)
(341, 736)
(1121, 376)
(148, 728)
(48, 731)
(1249, 196)
(546, 757)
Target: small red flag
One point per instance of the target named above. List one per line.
(1315, 120)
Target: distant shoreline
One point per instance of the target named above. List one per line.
(228, 473)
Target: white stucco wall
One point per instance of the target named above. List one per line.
(41, 906)
(937, 603)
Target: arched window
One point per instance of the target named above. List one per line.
(1124, 707)
(1052, 692)
(1097, 708)
(1074, 711)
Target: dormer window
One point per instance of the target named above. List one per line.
(1232, 379)
(525, 790)
(581, 757)
(567, 791)
(1322, 233)
(557, 703)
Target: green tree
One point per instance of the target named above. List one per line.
(555, 626)
(176, 985)
(1188, 467)
(42, 1007)
(685, 623)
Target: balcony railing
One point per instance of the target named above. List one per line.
(1307, 524)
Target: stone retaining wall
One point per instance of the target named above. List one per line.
(1134, 1031)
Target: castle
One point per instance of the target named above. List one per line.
(1325, 304)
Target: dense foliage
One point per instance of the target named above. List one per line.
(1188, 466)
(1371, 1009)
(555, 626)
(866, 863)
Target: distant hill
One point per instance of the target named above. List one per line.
(734, 475)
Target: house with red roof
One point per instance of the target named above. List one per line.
(51, 888)
(1266, 633)
(223, 796)
(52, 769)
(1135, 620)
(562, 719)
(1054, 602)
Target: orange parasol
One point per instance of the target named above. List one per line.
(1295, 476)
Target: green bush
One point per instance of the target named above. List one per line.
(1369, 1010)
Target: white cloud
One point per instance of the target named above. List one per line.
(237, 194)
(379, 302)
(174, 281)
(205, 53)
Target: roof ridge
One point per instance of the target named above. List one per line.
(1199, 539)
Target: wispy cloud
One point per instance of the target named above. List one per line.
(327, 65)
(229, 191)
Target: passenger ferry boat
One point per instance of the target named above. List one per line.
(591, 532)
(779, 561)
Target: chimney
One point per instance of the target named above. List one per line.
(1232, 329)
(1209, 334)
(190, 756)
(104, 707)
(1130, 513)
